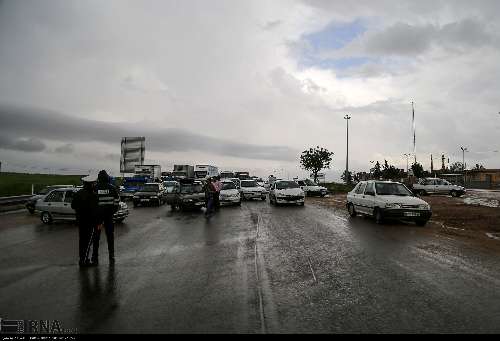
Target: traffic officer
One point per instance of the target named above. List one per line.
(85, 205)
(108, 201)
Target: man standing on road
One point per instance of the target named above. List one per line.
(85, 205)
(108, 203)
(210, 193)
(218, 188)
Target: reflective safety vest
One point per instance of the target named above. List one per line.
(107, 197)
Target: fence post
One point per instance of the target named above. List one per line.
(32, 189)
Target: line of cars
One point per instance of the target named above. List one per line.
(54, 203)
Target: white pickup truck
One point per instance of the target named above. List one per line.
(428, 186)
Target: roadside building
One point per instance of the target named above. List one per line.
(483, 178)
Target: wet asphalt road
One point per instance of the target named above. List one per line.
(250, 269)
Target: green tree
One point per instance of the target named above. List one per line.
(390, 172)
(456, 167)
(418, 170)
(347, 177)
(315, 159)
(376, 171)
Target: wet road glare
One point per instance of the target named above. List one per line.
(249, 269)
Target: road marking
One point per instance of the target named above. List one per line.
(311, 268)
(259, 290)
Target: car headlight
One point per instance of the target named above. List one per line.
(154, 196)
(424, 206)
(393, 205)
(188, 200)
(136, 197)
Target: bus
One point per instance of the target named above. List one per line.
(205, 171)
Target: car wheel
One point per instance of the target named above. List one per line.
(301, 204)
(135, 204)
(263, 198)
(379, 219)
(352, 211)
(239, 203)
(46, 218)
(454, 194)
(120, 220)
(421, 222)
(31, 211)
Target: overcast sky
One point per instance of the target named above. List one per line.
(247, 84)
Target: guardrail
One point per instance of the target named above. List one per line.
(18, 199)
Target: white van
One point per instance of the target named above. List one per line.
(205, 171)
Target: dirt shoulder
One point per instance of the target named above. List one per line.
(450, 216)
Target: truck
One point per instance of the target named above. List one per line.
(205, 171)
(132, 184)
(183, 172)
(242, 175)
(227, 174)
(150, 171)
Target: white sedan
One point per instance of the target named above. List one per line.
(229, 194)
(286, 192)
(250, 190)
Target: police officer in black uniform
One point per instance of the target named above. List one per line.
(85, 205)
(108, 201)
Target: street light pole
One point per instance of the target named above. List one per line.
(464, 149)
(347, 178)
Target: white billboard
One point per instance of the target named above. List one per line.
(133, 152)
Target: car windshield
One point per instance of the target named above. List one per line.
(286, 185)
(44, 191)
(392, 189)
(191, 188)
(309, 182)
(149, 188)
(228, 185)
(248, 184)
(169, 183)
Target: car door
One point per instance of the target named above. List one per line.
(369, 198)
(54, 203)
(66, 209)
(442, 186)
(358, 197)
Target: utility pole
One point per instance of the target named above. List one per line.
(347, 178)
(464, 149)
(407, 156)
(414, 132)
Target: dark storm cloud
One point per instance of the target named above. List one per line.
(67, 148)
(43, 124)
(21, 144)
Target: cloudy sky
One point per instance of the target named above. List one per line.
(247, 84)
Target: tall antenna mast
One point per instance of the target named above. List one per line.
(414, 135)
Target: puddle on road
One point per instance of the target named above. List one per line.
(473, 200)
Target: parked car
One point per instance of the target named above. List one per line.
(30, 205)
(437, 186)
(188, 195)
(170, 186)
(229, 194)
(311, 188)
(250, 190)
(286, 192)
(387, 200)
(150, 193)
(57, 206)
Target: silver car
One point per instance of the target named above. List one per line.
(57, 206)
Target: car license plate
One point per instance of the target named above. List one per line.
(144, 199)
(412, 214)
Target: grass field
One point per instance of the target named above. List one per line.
(334, 187)
(20, 183)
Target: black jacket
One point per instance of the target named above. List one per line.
(108, 199)
(85, 205)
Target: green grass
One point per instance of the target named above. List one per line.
(20, 183)
(334, 187)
